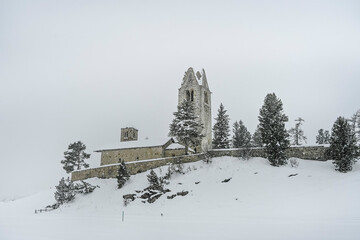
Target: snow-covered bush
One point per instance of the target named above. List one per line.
(84, 187)
(294, 162)
(207, 157)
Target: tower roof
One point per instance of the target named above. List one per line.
(199, 78)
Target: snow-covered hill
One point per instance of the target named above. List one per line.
(259, 202)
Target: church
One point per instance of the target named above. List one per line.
(194, 88)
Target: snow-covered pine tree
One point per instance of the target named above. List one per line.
(186, 127)
(343, 149)
(242, 136)
(75, 158)
(122, 175)
(221, 129)
(326, 137)
(320, 136)
(296, 133)
(256, 140)
(64, 191)
(273, 133)
(154, 180)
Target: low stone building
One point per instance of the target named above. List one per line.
(129, 151)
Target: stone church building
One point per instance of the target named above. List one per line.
(194, 88)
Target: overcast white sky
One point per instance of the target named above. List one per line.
(81, 70)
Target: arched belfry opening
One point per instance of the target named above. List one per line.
(187, 95)
(190, 95)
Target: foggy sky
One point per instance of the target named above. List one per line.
(81, 70)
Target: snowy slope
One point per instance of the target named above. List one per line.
(259, 202)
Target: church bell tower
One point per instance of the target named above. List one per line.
(195, 88)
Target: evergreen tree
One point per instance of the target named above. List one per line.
(154, 181)
(355, 124)
(326, 137)
(65, 191)
(122, 175)
(75, 157)
(221, 129)
(256, 140)
(273, 132)
(320, 137)
(343, 149)
(186, 127)
(296, 133)
(242, 136)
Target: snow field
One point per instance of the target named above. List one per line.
(259, 202)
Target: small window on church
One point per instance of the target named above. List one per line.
(206, 98)
(188, 95)
(192, 95)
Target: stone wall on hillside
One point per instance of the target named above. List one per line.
(307, 153)
(110, 171)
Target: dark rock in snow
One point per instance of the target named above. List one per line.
(145, 195)
(293, 175)
(171, 197)
(154, 198)
(226, 180)
(130, 197)
(183, 193)
(197, 182)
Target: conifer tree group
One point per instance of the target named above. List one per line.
(323, 137)
(273, 133)
(221, 129)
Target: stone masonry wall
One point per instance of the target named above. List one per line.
(110, 171)
(131, 154)
(307, 153)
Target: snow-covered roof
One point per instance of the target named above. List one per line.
(175, 146)
(149, 142)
